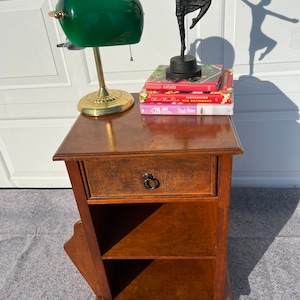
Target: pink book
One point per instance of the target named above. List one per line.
(192, 109)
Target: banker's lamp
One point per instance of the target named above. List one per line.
(97, 23)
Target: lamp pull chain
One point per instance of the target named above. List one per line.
(130, 51)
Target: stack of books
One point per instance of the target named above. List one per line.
(210, 94)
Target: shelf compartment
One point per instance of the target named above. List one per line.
(169, 230)
(161, 279)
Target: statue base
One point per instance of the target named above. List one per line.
(183, 67)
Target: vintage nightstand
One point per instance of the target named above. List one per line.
(153, 193)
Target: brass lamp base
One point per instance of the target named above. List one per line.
(104, 103)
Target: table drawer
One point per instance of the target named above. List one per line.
(172, 177)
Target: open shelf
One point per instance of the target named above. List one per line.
(161, 279)
(150, 231)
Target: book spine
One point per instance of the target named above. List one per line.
(223, 96)
(187, 98)
(183, 87)
(227, 82)
(185, 109)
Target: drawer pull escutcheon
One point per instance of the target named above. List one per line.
(150, 182)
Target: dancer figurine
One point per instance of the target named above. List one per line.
(185, 66)
(184, 7)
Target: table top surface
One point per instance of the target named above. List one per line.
(132, 133)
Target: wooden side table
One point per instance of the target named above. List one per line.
(153, 193)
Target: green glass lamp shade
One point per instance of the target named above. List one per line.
(95, 23)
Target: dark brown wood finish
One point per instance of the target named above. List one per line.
(166, 243)
(132, 133)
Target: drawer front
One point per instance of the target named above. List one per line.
(172, 176)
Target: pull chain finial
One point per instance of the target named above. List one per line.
(130, 51)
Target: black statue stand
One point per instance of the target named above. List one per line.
(185, 66)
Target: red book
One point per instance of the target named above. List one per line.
(208, 82)
(222, 96)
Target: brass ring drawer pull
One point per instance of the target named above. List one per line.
(150, 182)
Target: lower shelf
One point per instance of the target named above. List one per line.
(147, 279)
(161, 279)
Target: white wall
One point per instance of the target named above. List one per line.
(40, 85)
(267, 103)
